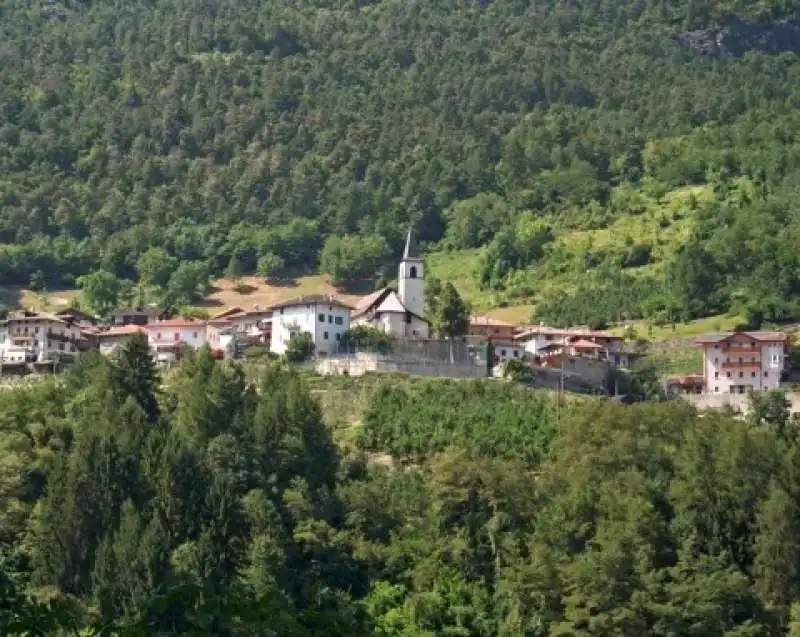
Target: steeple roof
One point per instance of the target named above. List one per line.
(411, 252)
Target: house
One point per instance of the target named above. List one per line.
(398, 313)
(108, 341)
(77, 316)
(491, 328)
(166, 337)
(255, 323)
(507, 348)
(324, 317)
(738, 362)
(577, 341)
(139, 316)
(221, 337)
(11, 353)
(46, 335)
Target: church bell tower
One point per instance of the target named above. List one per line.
(410, 277)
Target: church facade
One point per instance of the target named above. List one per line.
(398, 313)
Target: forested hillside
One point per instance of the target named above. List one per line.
(243, 134)
(219, 504)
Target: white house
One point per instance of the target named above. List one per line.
(324, 317)
(399, 314)
(221, 336)
(738, 362)
(48, 335)
(542, 337)
(167, 336)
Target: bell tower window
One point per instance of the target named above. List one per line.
(413, 272)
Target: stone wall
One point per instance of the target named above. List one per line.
(737, 401)
(363, 363)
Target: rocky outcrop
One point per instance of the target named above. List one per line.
(735, 37)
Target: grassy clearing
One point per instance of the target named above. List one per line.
(15, 297)
(252, 291)
(677, 360)
(650, 331)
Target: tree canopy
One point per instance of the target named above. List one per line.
(137, 135)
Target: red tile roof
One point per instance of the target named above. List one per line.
(366, 303)
(582, 343)
(175, 322)
(764, 337)
(122, 330)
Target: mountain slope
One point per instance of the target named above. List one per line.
(238, 129)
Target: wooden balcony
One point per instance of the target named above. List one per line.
(749, 351)
(742, 365)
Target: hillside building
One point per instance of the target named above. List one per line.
(739, 362)
(325, 318)
(398, 313)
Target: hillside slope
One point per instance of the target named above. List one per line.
(249, 132)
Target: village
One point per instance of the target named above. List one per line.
(577, 358)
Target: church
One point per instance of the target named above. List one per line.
(398, 313)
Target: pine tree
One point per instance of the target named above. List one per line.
(135, 375)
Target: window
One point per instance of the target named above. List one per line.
(325, 336)
(716, 390)
(728, 374)
(330, 319)
(338, 337)
(158, 336)
(516, 353)
(740, 359)
(338, 320)
(716, 374)
(741, 374)
(321, 318)
(413, 273)
(176, 337)
(766, 374)
(36, 330)
(408, 318)
(753, 374)
(61, 346)
(194, 335)
(281, 310)
(503, 353)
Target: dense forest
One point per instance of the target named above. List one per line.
(244, 136)
(216, 501)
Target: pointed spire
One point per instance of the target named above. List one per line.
(411, 252)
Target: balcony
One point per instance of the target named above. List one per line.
(742, 365)
(749, 351)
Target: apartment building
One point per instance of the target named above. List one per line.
(44, 336)
(739, 362)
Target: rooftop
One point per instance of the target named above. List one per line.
(316, 299)
(411, 252)
(176, 322)
(764, 337)
(366, 302)
(122, 330)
